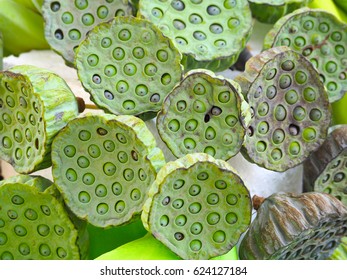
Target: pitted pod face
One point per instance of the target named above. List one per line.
(291, 110)
(128, 66)
(21, 122)
(68, 22)
(198, 207)
(103, 165)
(203, 113)
(322, 39)
(306, 226)
(34, 225)
(210, 34)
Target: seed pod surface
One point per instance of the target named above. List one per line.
(270, 11)
(291, 110)
(35, 104)
(295, 226)
(326, 169)
(210, 34)
(197, 206)
(322, 39)
(128, 66)
(68, 22)
(204, 113)
(103, 166)
(34, 223)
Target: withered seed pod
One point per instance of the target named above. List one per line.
(295, 226)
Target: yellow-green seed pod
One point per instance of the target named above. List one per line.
(35, 104)
(35, 223)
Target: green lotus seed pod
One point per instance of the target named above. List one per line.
(291, 109)
(149, 248)
(322, 39)
(204, 113)
(290, 226)
(35, 224)
(103, 166)
(35, 104)
(340, 253)
(270, 11)
(68, 22)
(198, 207)
(326, 168)
(141, 68)
(209, 35)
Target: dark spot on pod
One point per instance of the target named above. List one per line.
(58, 34)
(101, 131)
(179, 236)
(166, 200)
(134, 155)
(216, 111)
(294, 130)
(207, 118)
(55, 6)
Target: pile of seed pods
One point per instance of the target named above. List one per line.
(160, 58)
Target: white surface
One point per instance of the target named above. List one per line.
(259, 180)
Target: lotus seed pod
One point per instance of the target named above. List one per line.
(271, 11)
(326, 169)
(68, 22)
(128, 66)
(198, 207)
(149, 248)
(209, 34)
(35, 104)
(103, 166)
(322, 39)
(291, 110)
(340, 253)
(291, 226)
(35, 224)
(206, 114)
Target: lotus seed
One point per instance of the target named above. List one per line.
(157, 13)
(101, 191)
(20, 230)
(191, 125)
(199, 106)
(121, 138)
(212, 199)
(110, 168)
(315, 114)
(285, 81)
(93, 60)
(189, 143)
(291, 97)
(155, 98)
(280, 113)
(18, 200)
(122, 157)
(210, 133)
(118, 53)
(271, 74)
(141, 90)
(22, 102)
(336, 36)
(3, 238)
(339, 177)
(263, 127)
(74, 34)
(181, 41)
(166, 79)
(117, 188)
(24, 249)
(231, 121)
(195, 19)
(55, 6)
(128, 174)
(102, 12)
(278, 136)
(178, 203)
(181, 105)
(178, 5)
(120, 13)
(179, 236)
(88, 19)
(44, 250)
(18, 154)
(181, 220)
(43, 230)
(213, 218)
(6, 142)
(150, 69)
(164, 220)
(213, 10)
(199, 35)
(120, 206)
(61, 253)
(194, 190)
(123, 86)
(309, 134)
(21, 118)
(210, 150)
(220, 184)
(179, 25)
(263, 109)
(331, 67)
(178, 184)
(340, 50)
(138, 52)
(307, 51)
(102, 208)
(71, 175)
(216, 28)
